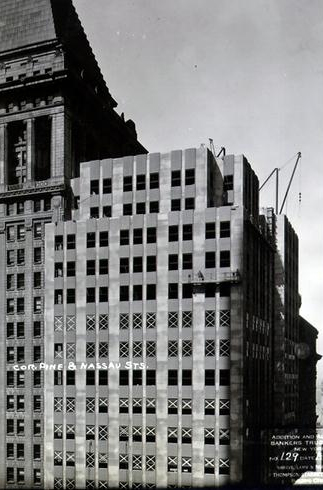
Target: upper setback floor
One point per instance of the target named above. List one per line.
(161, 183)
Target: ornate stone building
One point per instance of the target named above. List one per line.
(55, 111)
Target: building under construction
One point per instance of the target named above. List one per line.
(150, 282)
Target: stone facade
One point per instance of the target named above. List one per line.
(44, 133)
(160, 278)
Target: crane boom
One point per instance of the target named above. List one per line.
(290, 181)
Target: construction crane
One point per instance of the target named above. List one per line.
(276, 172)
(222, 151)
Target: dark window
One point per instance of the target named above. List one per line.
(37, 230)
(187, 377)
(20, 305)
(175, 205)
(137, 264)
(173, 290)
(37, 279)
(10, 475)
(154, 207)
(173, 262)
(189, 176)
(37, 353)
(20, 232)
(127, 183)
(137, 292)
(224, 377)
(187, 232)
(224, 229)
(225, 289)
(107, 186)
(20, 256)
(37, 403)
(37, 329)
(228, 183)
(37, 205)
(20, 402)
(10, 209)
(37, 378)
(94, 187)
(90, 378)
(103, 378)
(209, 230)
(189, 203)
(103, 294)
(209, 377)
(210, 260)
(154, 181)
(90, 295)
(20, 281)
(47, 204)
(10, 330)
(94, 212)
(90, 267)
(10, 426)
(11, 378)
(224, 407)
(10, 257)
(127, 209)
(141, 182)
(124, 293)
(123, 377)
(58, 296)
(151, 235)
(10, 233)
(176, 178)
(137, 236)
(104, 266)
(90, 240)
(10, 450)
(10, 402)
(137, 378)
(37, 304)
(37, 255)
(104, 238)
(70, 242)
(20, 330)
(187, 291)
(151, 263)
(10, 281)
(58, 269)
(20, 451)
(187, 261)
(140, 207)
(20, 354)
(37, 427)
(70, 269)
(10, 354)
(70, 296)
(173, 233)
(151, 292)
(36, 451)
(59, 242)
(225, 258)
(124, 265)
(172, 377)
(150, 379)
(124, 237)
(107, 211)
(10, 306)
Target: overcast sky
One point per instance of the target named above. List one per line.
(248, 74)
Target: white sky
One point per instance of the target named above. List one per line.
(248, 74)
